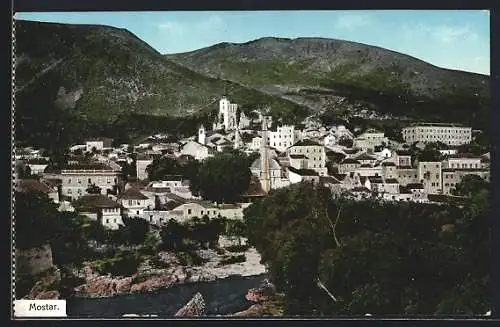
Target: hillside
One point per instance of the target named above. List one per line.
(337, 75)
(74, 81)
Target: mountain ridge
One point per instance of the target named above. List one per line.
(96, 79)
(90, 76)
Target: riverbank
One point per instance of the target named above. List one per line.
(150, 279)
(222, 297)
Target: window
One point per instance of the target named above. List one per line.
(114, 220)
(202, 212)
(90, 181)
(79, 181)
(70, 191)
(69, 181)
(151, 218)
(437, 175)
(189, 211)
(107, 221)
(129, 202)
(108, 180)
(137, 212)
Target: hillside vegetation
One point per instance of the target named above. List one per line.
(74, 81)
(335, 74)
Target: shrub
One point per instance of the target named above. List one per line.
(189, 258)
(157, 263)
(238, 248)
(233, 259)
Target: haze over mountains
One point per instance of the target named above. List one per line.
(89, 78)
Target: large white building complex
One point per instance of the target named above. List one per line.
(450, 134)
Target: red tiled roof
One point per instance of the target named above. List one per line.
(132, 194)
(33, 185)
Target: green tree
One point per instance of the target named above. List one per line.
(36, 222)
(223, 178)
(134, 231)
(469, 185)
(344, 141)
(373, 257)
(93, 189)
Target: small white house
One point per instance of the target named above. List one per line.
(134, 202)
(196, 150)
(102, 208)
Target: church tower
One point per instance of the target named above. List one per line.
(201, 135)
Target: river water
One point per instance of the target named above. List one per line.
(222, 296)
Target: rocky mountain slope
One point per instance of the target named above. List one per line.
(328, 74)
(87, 78)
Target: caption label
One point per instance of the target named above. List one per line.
(39, 308)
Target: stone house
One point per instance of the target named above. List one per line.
(462, 161)
(389, 170)
(348, 165)
(142, 162)
(315, 153)
(407, 175)
(77, 178)
(429, 174)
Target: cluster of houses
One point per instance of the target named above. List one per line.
(365, 164)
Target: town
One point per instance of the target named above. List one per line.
(423, 165)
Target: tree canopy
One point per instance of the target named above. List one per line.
(374, 257)
(224, 177)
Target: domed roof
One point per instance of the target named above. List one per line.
(273, 164)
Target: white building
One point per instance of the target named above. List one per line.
(429, 174)
(284, 137)
(134, 202)
(275, 172)
(142, 162)
(315, 153)
(370, 139)
(196, 150)
(98, 144)
(227, 117)
(256, 143)
(463, 162)
(302, 175)
(75, 179)
(449, 134)
(37, 166)
(102, 209)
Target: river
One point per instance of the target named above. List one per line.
(222, 296)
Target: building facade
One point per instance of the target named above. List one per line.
(75, 179)
(429, 174)
(449, 134)
(284, 137)
(315, 153)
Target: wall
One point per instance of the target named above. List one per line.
(34, 260)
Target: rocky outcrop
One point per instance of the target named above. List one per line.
(45, 288)
(262, 293)
(194, 308)
(150, 279)
(105, 286)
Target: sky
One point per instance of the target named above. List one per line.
(455, 39)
